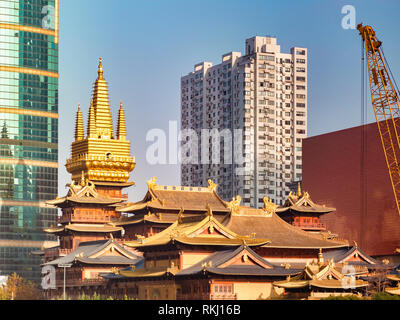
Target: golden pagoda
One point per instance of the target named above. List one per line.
(101, 156)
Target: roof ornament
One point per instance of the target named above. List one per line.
(298, 189)
(234, 204)
(114, 270)
(180, 215)
(140, 238)
(100, 69)
(287, 266)
(245, 258)
(152, 183)
(209, 210)
(355, 243)
(269, 206)
(211, 185)
(320, 260)
(82, 182)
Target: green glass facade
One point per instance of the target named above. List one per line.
(29, 133)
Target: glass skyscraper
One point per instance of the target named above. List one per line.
(29, 131)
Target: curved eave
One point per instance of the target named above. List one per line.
(291, 284)
(53, 230)
(221, 242)
(142, 273)
(93, 229)
(395, 291)
(337, 284)
(306, 247)
(99, 262)
(267, 273)
(132, 207)
(310, 210)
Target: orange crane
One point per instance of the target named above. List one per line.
(385, 100)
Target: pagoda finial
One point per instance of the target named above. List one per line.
(79, 132)
(298, 189)
(100, 69)
(83, 182)
(121, 126)
(101, 106)
(320, 257)
(92, 121)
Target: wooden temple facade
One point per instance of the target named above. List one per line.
(184, 242)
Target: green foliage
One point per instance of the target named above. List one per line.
(385, 296)
(343, 297)
(18, 288)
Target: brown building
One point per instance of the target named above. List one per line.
(346, 169)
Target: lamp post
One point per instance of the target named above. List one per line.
(65, 265)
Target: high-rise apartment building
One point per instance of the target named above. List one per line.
(29, 131)
(258, 104)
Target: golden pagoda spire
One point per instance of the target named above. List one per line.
(79, 132)
(100, 69)
(91, 130)
(121, 126)
(83, 181)
(298, 190)
(98, 156)
(102, 106)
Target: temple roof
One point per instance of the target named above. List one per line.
(197, 230)
(323, 274)
(351, 255)
(177, 197)
(280, 233)
(84, 193)
(107, 252)
(301, 202)
(240, 261)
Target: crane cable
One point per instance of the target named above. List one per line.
(363, 184)
(390, 71)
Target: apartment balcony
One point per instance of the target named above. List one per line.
(310, 226)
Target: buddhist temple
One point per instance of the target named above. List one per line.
(182, 242)
(300, 211)
(100, 165)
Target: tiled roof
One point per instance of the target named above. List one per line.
(87, 252)
(280, 233)
(189, 230)
(215, 264)
(301, 202)
(177, 197)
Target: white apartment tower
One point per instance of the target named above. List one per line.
(258, 105)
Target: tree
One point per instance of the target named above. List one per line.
(18, 288)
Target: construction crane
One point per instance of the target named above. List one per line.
(385, 100)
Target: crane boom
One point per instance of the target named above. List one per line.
(385, 101)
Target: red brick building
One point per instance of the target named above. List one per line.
(346, 169)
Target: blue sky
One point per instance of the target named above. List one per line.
(148, 45)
